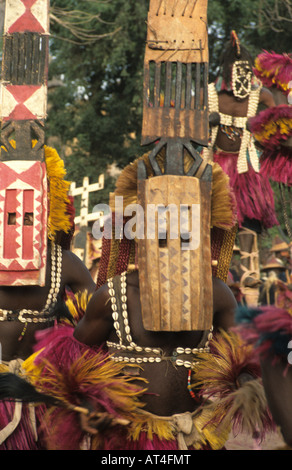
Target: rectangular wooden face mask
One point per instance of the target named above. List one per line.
(174, 258)
(175, 272)
(23, 178)
(23, 222)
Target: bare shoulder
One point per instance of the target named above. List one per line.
(220, 286)
(224, 304)
(70, 258)
(95, 327)
(99, 303)
(75, 273)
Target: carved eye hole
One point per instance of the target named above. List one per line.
(162, 242)
(186, 218)
(28, 218)
(185, 238)
(11, 218)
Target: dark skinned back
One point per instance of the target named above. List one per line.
(167, 391)
(74, 275)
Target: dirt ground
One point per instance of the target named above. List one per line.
(273, 441)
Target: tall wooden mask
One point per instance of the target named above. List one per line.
(175, 272)
(23, 179)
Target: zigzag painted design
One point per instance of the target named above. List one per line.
(164, 288)
(186, 290)
(26, 15)
(23, 102)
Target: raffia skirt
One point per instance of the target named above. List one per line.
(252, 190)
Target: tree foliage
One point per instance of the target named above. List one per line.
(97, 112)
(96, 71)
(97, 49)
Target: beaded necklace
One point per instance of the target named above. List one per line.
(247, 141)
(133, 353)
(190, 388)
(241, 79)
(231, 132)
(34, 316)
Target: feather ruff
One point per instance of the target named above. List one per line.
(276, 164)
(77, 304)
(223, 203)
(68, 370)
(72, 372)
(273, 125)
(269, 328)
(274, 70)
(216, 378)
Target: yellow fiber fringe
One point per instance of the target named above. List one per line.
(3, 368)
(58, 219)
(86, 372)
(164, 428)
(284, 125)
(222, 202)
(215, 371)
(210, 433)
(82, 299)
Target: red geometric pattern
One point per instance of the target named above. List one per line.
(26, 16)
(19, 102)
(23, 188)
(31, 176)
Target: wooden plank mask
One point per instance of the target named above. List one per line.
(174, 257)
(23, 178)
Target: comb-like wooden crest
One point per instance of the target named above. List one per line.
(176, 282)
(176, 72)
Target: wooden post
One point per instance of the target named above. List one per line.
(82, 220)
